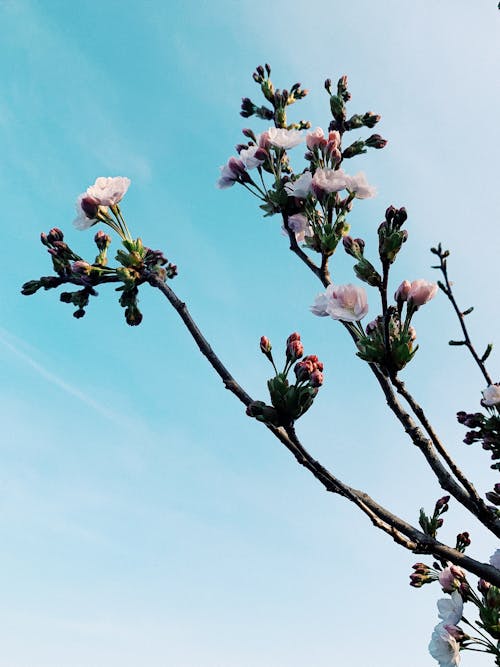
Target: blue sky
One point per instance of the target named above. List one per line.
(144, 519)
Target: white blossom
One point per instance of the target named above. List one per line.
(300, 225)
(283, 138)
(301, 187)
(495, 559)
(444, 648)
(329, 180)
(342, 302)
(360, 186)
(108, 191)
(491, 395)
(247, 156)
(451, 608)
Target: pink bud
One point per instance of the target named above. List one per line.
(421, 292)
(294, 349)
(293, 336)
(402, 292)
(265, 345)
(316, 378)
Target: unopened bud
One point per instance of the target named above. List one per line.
(402, 292)
(102, 240)
(375, 141)
(265, 345)
(316, 378)
(55, 235)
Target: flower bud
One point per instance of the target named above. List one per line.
(421, 292)
(375, 141)
(265, 345)
(402, 292)
(102, 240)
(316, 378)
(294, 349)
(55, 235)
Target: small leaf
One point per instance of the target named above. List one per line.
(468, 311)
(487, 352)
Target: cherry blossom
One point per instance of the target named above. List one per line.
(421, 292)
(495, 559)
(329, 180)
(315, 138)
(451, 608)
(301, 187)
(360, 186)
(342, 302)
(444, 648)
(108, 191)
(253, 156)
(491, 396)
(283, 138)
(300, 225)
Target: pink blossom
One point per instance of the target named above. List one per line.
(315, 138)
(342, 302)
(333, 139)
(253, 156)
(108, 191)
(231, 172)
(264, 141)
(495, 559)
(301, 187)
(360, 187)
(403, 290)
(299, 224)
(421, 292)
(328, 180)
(491, 397)
(283, 138)
(450, 578)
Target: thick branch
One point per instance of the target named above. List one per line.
(417, 409)
(403, 533)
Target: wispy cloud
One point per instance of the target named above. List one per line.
(15, 345)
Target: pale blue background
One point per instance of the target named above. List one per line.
(144, 520)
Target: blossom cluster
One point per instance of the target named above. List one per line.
(289, 401)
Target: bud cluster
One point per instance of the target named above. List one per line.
(137, 264)
(279, 100)
(373, 348)
(486, 430)
(289, 401)
(390, 235)
(430, 524)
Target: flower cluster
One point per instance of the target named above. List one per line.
(289, 401)
(137, 263)
(485, 429)
(321, 195)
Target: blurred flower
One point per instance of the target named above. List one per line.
(451, 609)
(421, 292)
(359, 185)
(284, 138)
(491, 396)
(444, 648)
(108, 191)
(301, 187)
(495, 559)
(342, 302)
(329, 180)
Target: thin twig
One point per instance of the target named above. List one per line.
(447, 289)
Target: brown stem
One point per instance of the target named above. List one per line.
(402, 532)
(447, 289)
(420, 414)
